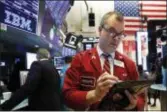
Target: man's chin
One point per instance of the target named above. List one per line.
(111, 50)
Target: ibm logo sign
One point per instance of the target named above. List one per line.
(17, 20)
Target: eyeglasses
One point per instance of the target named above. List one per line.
(113, 33)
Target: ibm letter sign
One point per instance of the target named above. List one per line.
(16, 18)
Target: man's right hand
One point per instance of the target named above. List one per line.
(103, 85)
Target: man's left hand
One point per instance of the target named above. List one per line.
(132, 99)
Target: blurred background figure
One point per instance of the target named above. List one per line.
(164, 71)
(14, 78)
(68, 60)
(42, 86)
(142, 74)
(151, 92)
(158, 64)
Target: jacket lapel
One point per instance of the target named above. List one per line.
(116, 68)
(95, 60)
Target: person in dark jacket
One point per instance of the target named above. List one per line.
(164, 70)
(151, 92)
(42, 86)
(14, 78)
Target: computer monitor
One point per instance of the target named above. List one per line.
(58, 62)
(88, 46)
(2, 64)
(66, 51)
(30, 58)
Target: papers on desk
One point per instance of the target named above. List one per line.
(2, 101)
(24, 103)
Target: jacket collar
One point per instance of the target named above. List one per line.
(95, 59)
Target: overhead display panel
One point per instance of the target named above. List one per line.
(54, 16)
(58, 10)
(21, 14)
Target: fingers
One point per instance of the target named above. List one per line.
(106, 76)
(130, 96)
(104, 83)
(117, 97)
(132, 99)
(106, 80)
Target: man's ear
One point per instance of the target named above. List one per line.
(100, 28)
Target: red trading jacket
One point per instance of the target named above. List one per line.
(83, 73)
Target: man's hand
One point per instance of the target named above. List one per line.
(103, 85)
(133, 100)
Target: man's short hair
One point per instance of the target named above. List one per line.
(118, 16)
(43, 53)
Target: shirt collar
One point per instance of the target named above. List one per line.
(100, 52)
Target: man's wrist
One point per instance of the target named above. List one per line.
(91, 97)
(131, 109)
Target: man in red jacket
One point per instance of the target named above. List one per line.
(92, 75)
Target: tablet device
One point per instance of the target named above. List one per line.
(108, 103)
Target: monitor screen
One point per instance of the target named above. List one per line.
(66, 51)
(58, 62)
(2, 64)
(30, 58)
(88, 46)
(54, 15)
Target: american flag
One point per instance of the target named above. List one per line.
(133, 10)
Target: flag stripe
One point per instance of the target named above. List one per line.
(147, 10)
(136, 26)
(131, 20)
(154, 16)
(133, 29)
(159, 2)
(155, 5)
(153, 13)
(153, 8)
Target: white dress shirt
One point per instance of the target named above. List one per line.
(102, 59)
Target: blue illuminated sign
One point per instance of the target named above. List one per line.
(22, 14)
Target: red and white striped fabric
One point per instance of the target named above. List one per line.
(154, 10)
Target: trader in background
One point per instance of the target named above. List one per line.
(164, 70)
(42, 86)
(94, 72)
